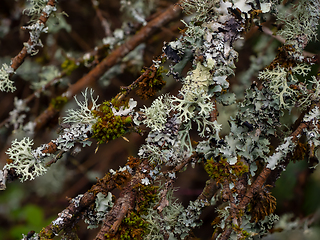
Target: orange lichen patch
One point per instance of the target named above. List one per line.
(51, 148)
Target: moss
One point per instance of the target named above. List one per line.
(151, 84)
(261, 205)
(46, 234)
(241, 234)
(58, 102)
(146, 195)
(69, 65)
(132, 227)
(299, 152)
(283, 58)
(109, 127)
(222, 170)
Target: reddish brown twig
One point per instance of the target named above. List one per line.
(209, 190)
(18, 60)
(123, 204)
(70, 215)
(148, 73)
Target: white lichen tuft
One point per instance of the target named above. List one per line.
(76, 133)
(37, 27)
(33, 237)
(34, 7)
(6, 85)
(281, 152)
(35, 30)
(24, 162)
(84, 114)
(16, 115)
(124, 111)
(312, 116)
(156, 114)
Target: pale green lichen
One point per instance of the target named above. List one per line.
(34, 7)
(192, 104)
(280, 79)
(24, 162)
(280, 153)
(300, 25)
(47, 74)
(6, 85)
(103, 204)
(156, 114)
(138, 10)
(84, 114)
(173, 219)
(200, 7)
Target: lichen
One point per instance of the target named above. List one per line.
(84, 114)
(24, 162)
(156, 114)
(222, 171)
(102, 206)
(6, 85)
(301, 23)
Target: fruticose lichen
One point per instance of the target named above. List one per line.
(6, 85)
(24, 161)
(84, 114)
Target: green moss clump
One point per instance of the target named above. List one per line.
(222, 170)
(69, 66)
(109, 127)
(146, 195)
(133, 227)
(58, 102)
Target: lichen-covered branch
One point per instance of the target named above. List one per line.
(275, 122)
(30, 47)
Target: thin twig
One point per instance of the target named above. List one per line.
(18, 60)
